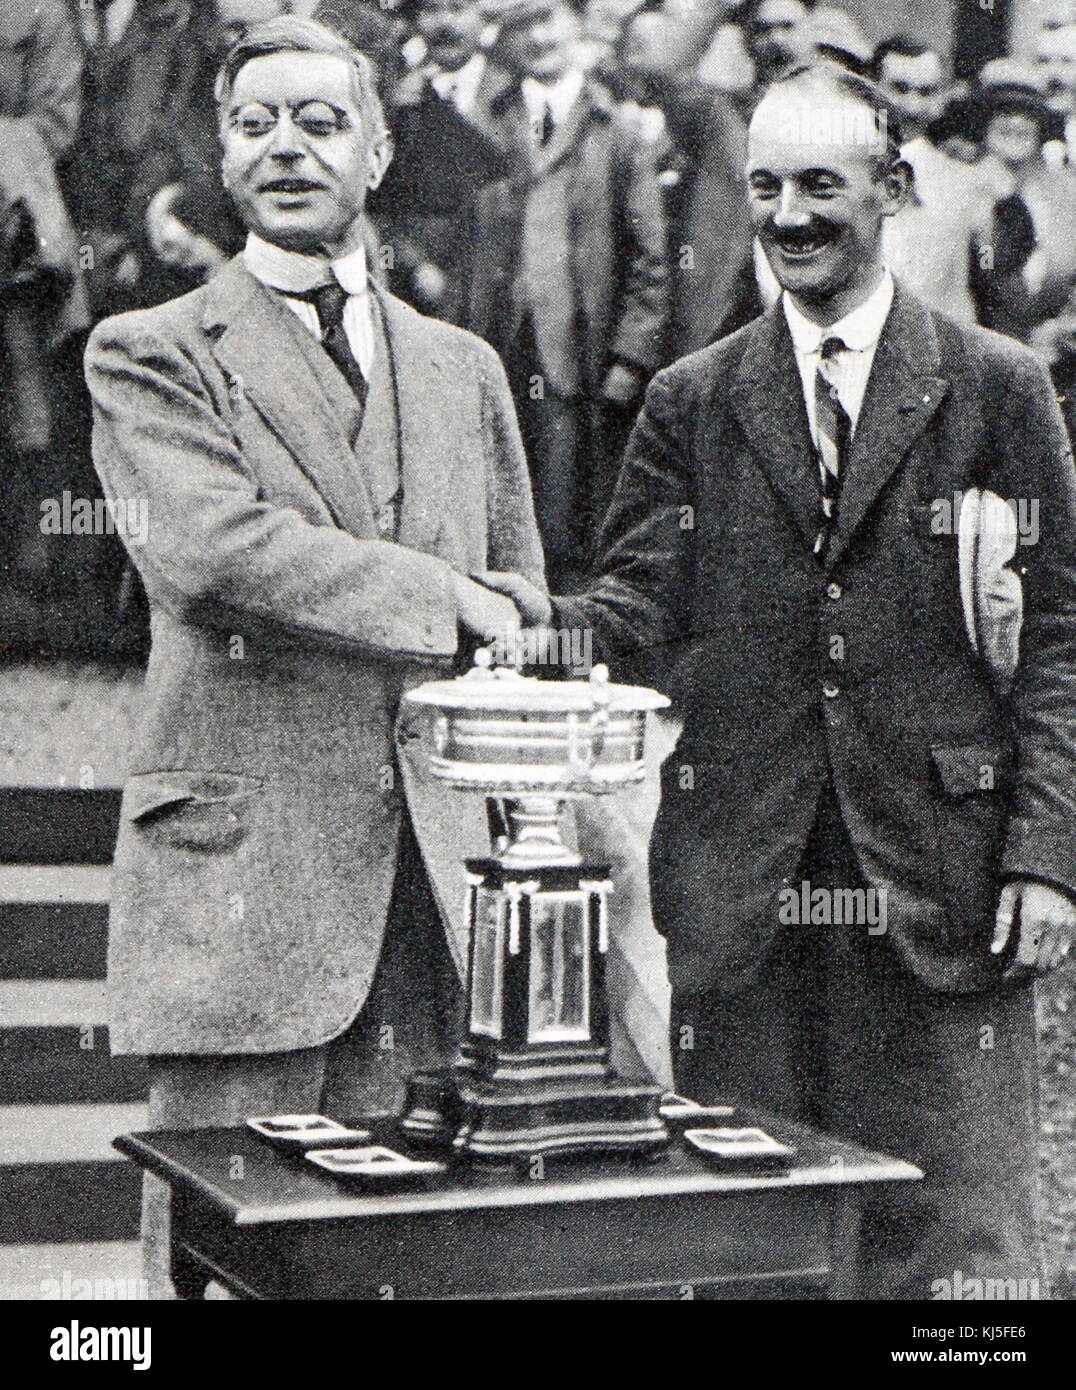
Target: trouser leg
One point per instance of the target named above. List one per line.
(411, 1017)
(837, 1031)
(195, 1092)
(752, 1047)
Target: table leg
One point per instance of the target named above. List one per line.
(189, 1275)
(844, 1247)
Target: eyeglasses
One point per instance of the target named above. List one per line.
(316, 119)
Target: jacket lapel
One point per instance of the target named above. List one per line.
(903, 393)
(565, 136)
(282, 371)
(495, 89)
(425, 411)
(768, 401)
(509, 117)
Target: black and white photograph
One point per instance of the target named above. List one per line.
(537, 662)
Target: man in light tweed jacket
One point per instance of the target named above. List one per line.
(323, 469)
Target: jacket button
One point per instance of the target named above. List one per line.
(831, 690)
(834, 591)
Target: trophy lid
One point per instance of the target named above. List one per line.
(486, 687)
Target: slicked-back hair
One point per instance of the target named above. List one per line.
(885, 115)
(290, 34)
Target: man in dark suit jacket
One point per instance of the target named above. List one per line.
(864, 849)
(446, 151)
(568, 276)
(321, 469)
(42, 297)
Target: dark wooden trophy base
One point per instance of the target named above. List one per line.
(504, 1120)
(513, 1094)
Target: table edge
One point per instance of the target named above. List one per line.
(548, 1192)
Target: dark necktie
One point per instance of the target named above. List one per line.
(329, 300)
(834, 430)
(547, 126)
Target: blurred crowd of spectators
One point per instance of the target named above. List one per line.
(567, 183)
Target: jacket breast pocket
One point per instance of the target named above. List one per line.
(206, 812)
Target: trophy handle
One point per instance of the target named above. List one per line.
(599, 719)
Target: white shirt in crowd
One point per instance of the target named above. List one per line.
(557, 98)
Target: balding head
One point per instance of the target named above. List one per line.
(823, 105)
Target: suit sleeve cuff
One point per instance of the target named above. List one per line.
(1041, 849)
(426, 609)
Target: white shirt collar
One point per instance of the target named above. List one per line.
(293, 273)
(108, 26)
(859, 330)
(460, 87)
(559, 96)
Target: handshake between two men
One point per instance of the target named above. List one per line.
(496, 607)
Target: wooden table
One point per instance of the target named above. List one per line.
(273, 1226)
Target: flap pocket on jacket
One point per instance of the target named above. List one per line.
(970, 768)
(191, 809)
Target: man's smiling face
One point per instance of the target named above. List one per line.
(297, 160)
(816, 193)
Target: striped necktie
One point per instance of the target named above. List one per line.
(834, 431)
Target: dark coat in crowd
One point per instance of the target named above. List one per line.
(618, 249)
(424, 207)
(145, 81)
(1017, 299)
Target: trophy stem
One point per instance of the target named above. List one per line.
(534, 833)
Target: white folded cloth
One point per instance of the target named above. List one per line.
(990, 592)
